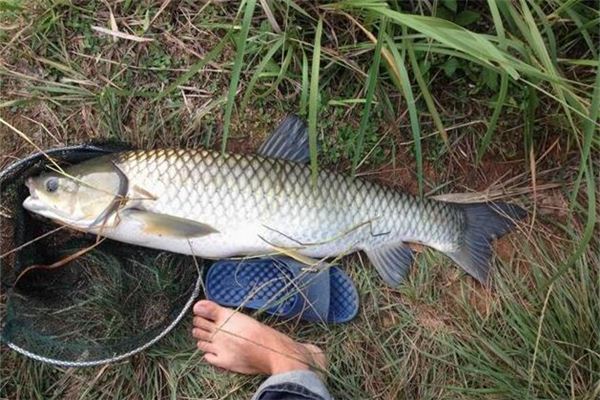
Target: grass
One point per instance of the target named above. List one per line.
(314, 100)
(497, 97)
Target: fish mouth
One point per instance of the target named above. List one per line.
(37, 206)
(33, 203)
(31, 187)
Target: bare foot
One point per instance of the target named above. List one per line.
(236, 342)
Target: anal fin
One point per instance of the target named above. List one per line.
(392, 262)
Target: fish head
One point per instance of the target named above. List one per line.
(81, 196)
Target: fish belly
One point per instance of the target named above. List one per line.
(248, 240)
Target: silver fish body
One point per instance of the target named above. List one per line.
(215, 205)
(256, 203)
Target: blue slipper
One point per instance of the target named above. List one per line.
(283, 287)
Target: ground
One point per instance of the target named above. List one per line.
(514, 92)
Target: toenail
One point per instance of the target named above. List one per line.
(199, 307)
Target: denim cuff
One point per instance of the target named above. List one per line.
(301, 385)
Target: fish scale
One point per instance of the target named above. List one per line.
(226, 191)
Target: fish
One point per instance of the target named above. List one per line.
(220, 205)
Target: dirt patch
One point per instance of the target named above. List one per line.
(431, 319)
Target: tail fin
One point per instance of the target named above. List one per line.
(484, 223)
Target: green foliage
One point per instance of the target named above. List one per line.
(314, 101)
(237, 67)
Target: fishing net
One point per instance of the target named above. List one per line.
(104, 304)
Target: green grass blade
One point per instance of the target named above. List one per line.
(371, 84)
(259, 69)
(305, 84)
(589, 130)
(211, 55)
(586, 169)
(583, 31)
(450, 34)
(550, 39)
(313, 101)
(588, 232)
(426, 93)
(481, 47)
(497, 23)
(298, 8)
(412, 109)
(491, 127)
(529, 28)
(282, 72)
(237, 69)
(531, 103)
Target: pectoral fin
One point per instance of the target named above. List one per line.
(168, 225)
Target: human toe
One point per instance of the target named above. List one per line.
(207, 309)
(316, 355)
(203, 323)
(206, 347)
(201, 334)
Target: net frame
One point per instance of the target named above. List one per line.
(31, 165)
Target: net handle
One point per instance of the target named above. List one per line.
(93, 363)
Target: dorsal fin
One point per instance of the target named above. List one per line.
(288, 142)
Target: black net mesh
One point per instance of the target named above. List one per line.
(105, 304)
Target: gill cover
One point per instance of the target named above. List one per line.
(119, 197)
(86, 195)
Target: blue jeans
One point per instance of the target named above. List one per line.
(294, 385)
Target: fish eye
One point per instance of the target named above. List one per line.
(52, 184)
